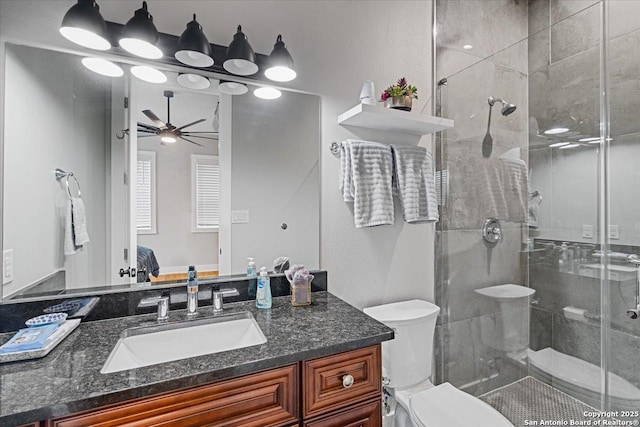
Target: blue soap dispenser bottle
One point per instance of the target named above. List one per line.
(263, 293)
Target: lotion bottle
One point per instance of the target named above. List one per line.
(263, 294)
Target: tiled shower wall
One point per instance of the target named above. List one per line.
(496, 65)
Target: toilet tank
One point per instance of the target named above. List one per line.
(406, 360)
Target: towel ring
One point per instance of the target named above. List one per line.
(62, 174)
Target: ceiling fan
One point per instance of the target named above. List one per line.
(168, 132)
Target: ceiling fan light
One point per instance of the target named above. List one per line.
(267, 93)
(103, 67)
(193, 47)
(140, 35)
(193, 81)
(148, 74)
(280, 63)
(240, 57)
(232, 88)
(84, 25)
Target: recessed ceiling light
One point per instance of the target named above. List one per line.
(590, 139)
(569, 146)
(267, 93)
(102, 66)
(148, 74)
(232, 88)
(555, 131)
(467, 47)
(193, 81)
(559, 144)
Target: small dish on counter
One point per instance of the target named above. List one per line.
(47, 319)
(64, 306)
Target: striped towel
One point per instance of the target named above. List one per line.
(365, 178)
(414, 183)
(516, 188)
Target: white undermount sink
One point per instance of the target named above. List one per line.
(150, 345)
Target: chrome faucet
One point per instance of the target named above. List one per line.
(161, 301)
(218, 303)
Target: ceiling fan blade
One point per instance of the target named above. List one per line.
(147, 135)
(211, 133)
(193, 142)
(191, 124)
(146, 126)
(154, 118)
(200, 136)
(143, 130)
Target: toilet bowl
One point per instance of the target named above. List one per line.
(406, 365)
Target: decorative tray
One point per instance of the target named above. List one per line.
(56, 338)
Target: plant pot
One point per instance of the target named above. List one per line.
(399, 102)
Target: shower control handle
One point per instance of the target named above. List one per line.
(633, 313)
(347, 381)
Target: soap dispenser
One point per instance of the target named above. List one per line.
(263, 294)
(251, 268)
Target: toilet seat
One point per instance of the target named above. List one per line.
(445, 405)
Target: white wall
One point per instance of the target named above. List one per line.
(56, 118)
(174, 244)
(336, 46)
(277, 139)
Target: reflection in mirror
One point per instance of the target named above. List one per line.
(247, 186)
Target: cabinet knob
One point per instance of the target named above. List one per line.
(347, 381)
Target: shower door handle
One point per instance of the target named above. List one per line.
(634, 313)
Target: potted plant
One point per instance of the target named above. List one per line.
(400, 95)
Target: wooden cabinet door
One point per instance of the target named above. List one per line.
(325, 385)
(368, 414)
(257, 400)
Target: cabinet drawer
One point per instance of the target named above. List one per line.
(323, 378)
(263, 399)
(368, 414)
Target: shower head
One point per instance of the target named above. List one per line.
(506, 107)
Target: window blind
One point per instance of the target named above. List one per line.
(207, 192)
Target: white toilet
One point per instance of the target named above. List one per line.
(406, 362)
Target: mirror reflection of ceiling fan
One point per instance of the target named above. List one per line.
(168, 132)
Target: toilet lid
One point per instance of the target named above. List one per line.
(445, 405)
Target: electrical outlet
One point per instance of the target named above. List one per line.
(7, 266)
(614, 232)
(587, 231)
(239, 217)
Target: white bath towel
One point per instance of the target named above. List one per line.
(516, 189)
(369, 166)
(414, 183)
(346, 172)
(534, 209)
(75, 233)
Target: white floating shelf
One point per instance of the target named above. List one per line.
(390, 120)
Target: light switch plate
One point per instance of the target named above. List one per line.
(614, 232)
(7, 266)
(587, 231)
(239, 217)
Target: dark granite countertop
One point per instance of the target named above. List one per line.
(68, 380)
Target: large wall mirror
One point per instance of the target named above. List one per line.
(244, 183)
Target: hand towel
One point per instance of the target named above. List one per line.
(371, 165)
(415, 183)
(75, 226)
(516, 189)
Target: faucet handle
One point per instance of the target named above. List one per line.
(163, 308)
(218, 296)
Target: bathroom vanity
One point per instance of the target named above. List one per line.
(320, 366)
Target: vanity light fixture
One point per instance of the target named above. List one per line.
(148, 74)
(590, 140)
(193, 47)
(102, 66)
(281, 63)
(240, 57)
(84, 25)
(193, 81)
(139, 35)
(558, 144)
(267, 93)
(232, 88)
